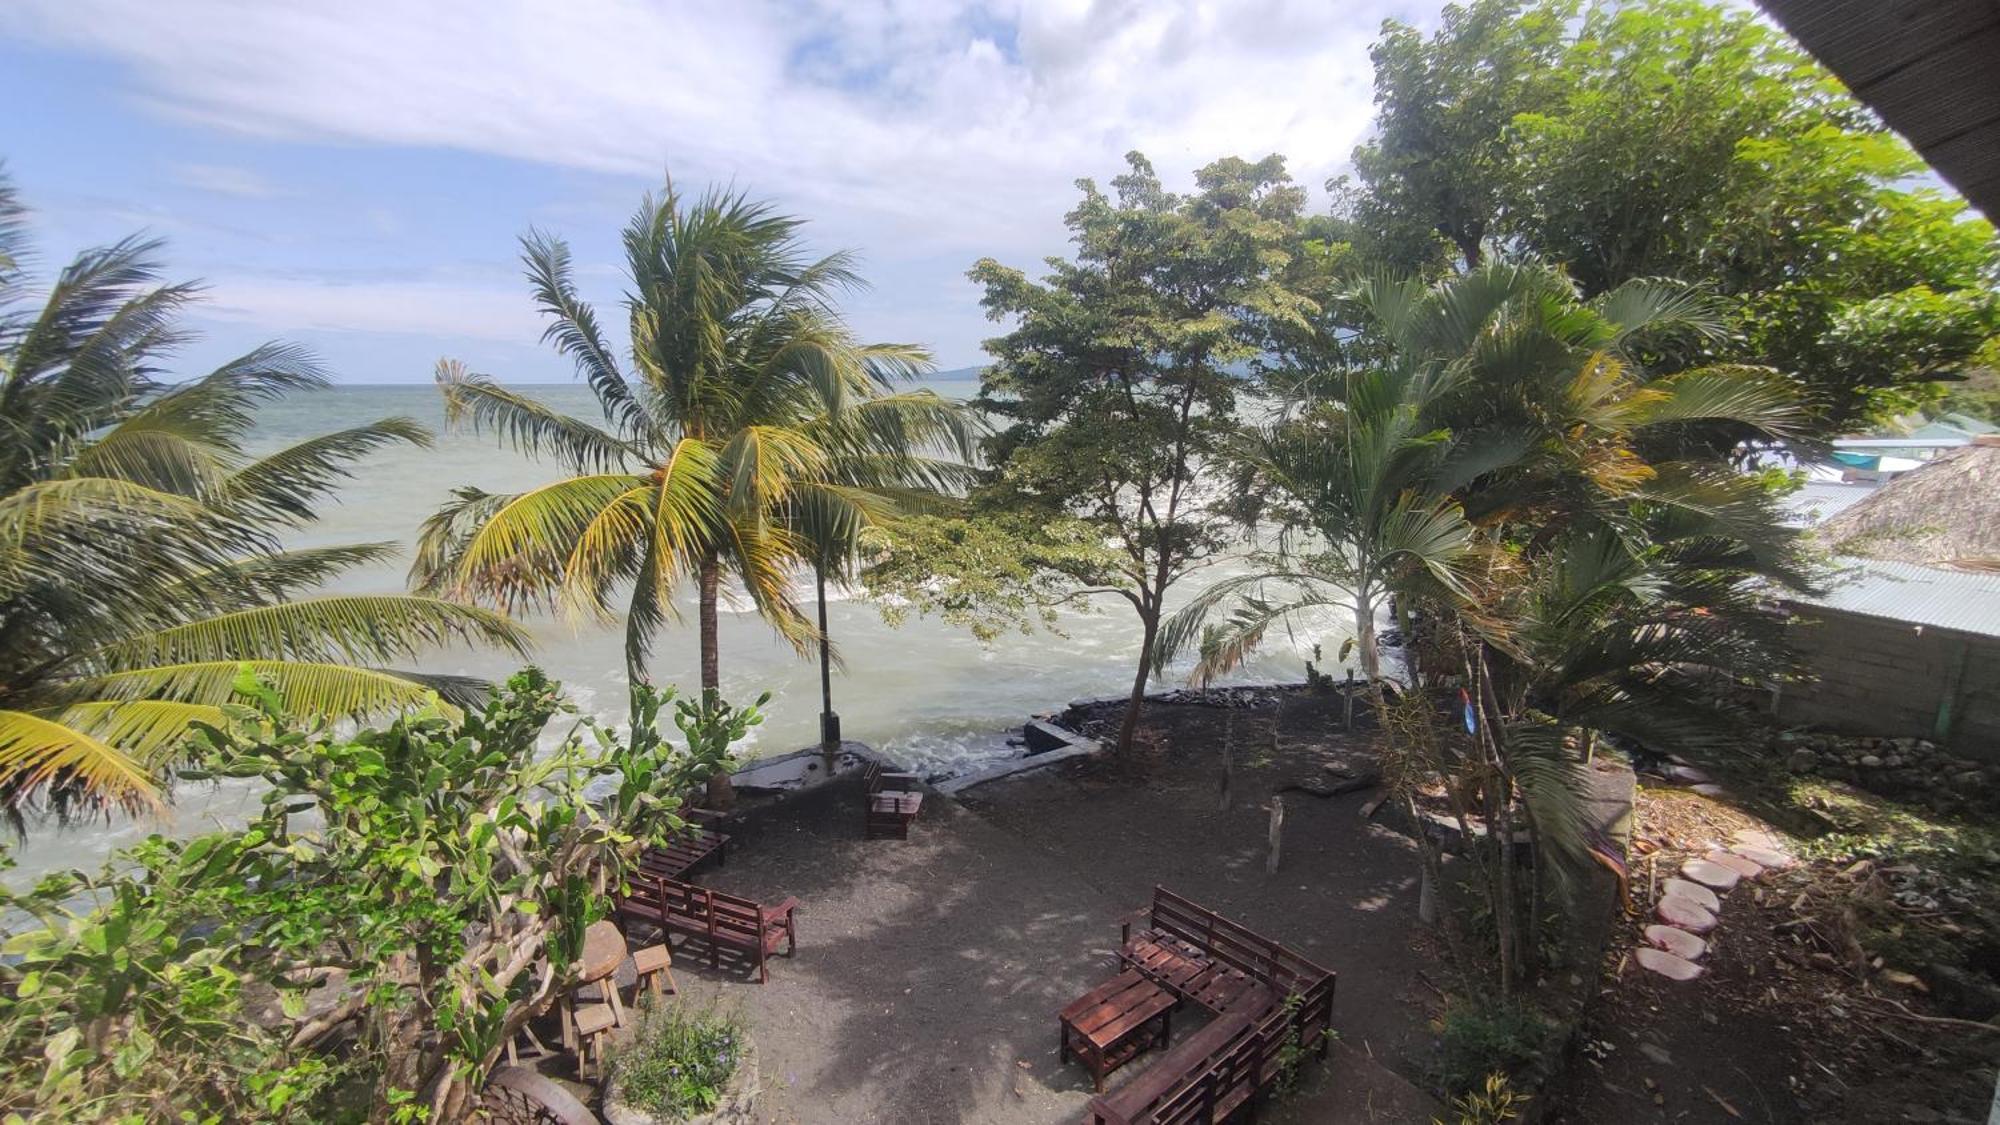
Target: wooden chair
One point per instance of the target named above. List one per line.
(891, 802)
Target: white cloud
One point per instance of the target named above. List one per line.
(443, 309)
(924, 132)
(226, 179)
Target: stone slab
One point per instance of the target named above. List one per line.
(1711, 875)
(1693, 892)
(1666, 964)
(1684, 914)
(954, 786)
(1748, 868)
(1678, 942)
(1766, 857)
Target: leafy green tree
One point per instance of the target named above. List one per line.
(1112, 395)
(1672, 138)
(747, 403)
(414, 895)
(140, 554)
(1438, 172)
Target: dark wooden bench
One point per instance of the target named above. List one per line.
(1265, 997)
(1210, 1075)
(1105, 1027)
(891, 801)
(723, 921)
(688, 848)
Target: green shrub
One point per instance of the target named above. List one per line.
(679, 1060)
(1495, 1104)
(1487, 1038)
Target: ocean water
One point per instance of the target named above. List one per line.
(929, 696)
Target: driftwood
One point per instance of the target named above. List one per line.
(1277, 834)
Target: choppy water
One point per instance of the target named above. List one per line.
(927, 695)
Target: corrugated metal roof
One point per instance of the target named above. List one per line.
(1915, 595)
(1927, 66)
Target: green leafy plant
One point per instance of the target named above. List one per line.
(1482, 1039)
(410, 896)
(680, 1060)
(1492, 1104)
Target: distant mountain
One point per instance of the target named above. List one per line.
(956, 374)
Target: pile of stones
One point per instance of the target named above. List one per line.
(1912, 768)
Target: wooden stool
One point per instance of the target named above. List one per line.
(593, 1023)
(651, 963)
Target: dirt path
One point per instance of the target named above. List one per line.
(929, 971)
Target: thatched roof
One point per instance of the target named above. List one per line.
(1946, 513)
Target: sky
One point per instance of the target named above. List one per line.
(355, 175)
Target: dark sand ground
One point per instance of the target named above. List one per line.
(929, 971)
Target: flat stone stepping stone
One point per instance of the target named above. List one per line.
(1685, 914)
(1711, 875)
(1666, 964)
(1766, 857)
(1693, 892)
(1680, 943)
(1708, 789)
(1748, 868)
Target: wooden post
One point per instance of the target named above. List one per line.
(1228, 761)
(1277, 834)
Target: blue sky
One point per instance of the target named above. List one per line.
(354, 176)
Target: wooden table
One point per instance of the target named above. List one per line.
(1113, 1022)
(603, 952)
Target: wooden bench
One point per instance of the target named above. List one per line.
(723, 921)
(692, 845)
(1181, 925)
(1265, 997)
(890, 803)
(1209, 1076)
(1105, 1027)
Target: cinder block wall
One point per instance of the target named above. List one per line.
(1890, 679)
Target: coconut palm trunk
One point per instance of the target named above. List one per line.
(721, 794)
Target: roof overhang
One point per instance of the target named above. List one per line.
(1930, 68)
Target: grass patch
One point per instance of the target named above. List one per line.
(680, 1060)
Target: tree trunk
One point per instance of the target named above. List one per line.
(721, 795)
(1130, 724)
(1364, 639)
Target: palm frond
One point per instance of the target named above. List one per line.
(286, 485)
(531, 427)
(360, 629)
(39, 755)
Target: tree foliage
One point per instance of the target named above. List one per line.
(1672, 138)
(748, 426)
(140, 553)
(1113, 393)
(364, 948)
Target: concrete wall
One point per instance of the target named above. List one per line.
(1893, 680)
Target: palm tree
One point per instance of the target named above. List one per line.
(745, 395)
(140, 566)
(1511, 469)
